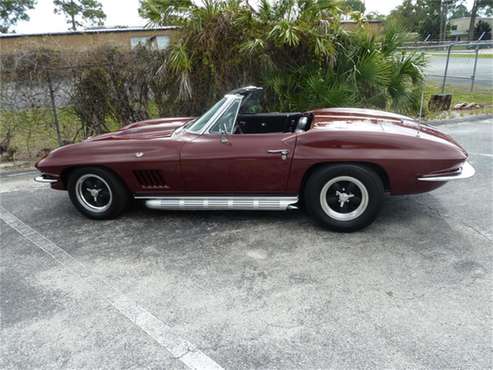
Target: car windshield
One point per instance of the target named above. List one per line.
(197, 125)
(227, 119)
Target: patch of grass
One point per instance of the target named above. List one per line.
(33, 130)
(462, 95)
(483, 97)
(462, 55)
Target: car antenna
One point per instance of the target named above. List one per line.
(420, 118)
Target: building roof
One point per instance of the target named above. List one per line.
(89, 31)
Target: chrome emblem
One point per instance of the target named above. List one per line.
(139, 154)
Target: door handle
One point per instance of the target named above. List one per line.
(283, 152)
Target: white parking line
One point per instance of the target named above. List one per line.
(20, 173)
(162, 333)
(483, 154)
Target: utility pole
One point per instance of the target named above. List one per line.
(443, 19)
(472, 20)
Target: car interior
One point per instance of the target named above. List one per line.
(263, 123)
(251, 120)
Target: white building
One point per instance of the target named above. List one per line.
(459, 27)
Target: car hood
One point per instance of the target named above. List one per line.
(356, 119)
(148, 129)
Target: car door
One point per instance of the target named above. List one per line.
(220, 162)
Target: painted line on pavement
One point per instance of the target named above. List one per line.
(483, 154)
(20, 173)
(162, 333)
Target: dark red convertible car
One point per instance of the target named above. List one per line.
(336, 163)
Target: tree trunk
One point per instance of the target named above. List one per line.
(440, 35)
(472, 22)
(440, 102)
(72, 13)
(74, 26)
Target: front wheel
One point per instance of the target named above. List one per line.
(97, 193)
(344, 197)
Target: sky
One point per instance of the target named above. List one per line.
(124, 13)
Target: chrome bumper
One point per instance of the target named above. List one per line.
(46, 179)
(465, 172)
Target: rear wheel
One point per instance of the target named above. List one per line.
(97, 193)
(344, 197)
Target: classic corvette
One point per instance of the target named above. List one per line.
(337, 163)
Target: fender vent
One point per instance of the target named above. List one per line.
(150, 179)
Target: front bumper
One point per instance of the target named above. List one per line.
(46, 179)
(464, 172)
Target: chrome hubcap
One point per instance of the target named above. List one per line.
(344, 198)
(93, 193)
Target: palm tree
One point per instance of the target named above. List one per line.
(295, 48)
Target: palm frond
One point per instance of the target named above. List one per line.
(178, 63)
(297, 49)
(393, 37)
(166, 12)
(285, 33)
(252, 47)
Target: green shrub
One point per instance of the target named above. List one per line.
(295, 48)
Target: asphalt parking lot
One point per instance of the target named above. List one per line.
(173, 290)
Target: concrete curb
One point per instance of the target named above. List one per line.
(479, 117)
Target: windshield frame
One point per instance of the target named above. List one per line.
(228, 100)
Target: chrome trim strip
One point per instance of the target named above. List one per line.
(264, 203)
(44, 180)
(466, 172)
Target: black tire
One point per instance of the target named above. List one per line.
(111, 196)
(342, 210)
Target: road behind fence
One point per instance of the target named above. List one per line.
(468, 65)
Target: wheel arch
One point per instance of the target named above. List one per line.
(379, 170)
(65, 174)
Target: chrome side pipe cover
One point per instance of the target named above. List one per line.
(222, 203)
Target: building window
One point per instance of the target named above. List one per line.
(162, 42)
(153, 42)
(136, 41)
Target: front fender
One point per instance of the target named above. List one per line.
(123, 157)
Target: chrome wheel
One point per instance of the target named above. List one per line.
(344, 198)
(93, 193)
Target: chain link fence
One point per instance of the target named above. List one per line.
(466, 65)
(48, 99)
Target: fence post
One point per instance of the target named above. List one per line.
(446, 68)
(53, 108)
(473, 77)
